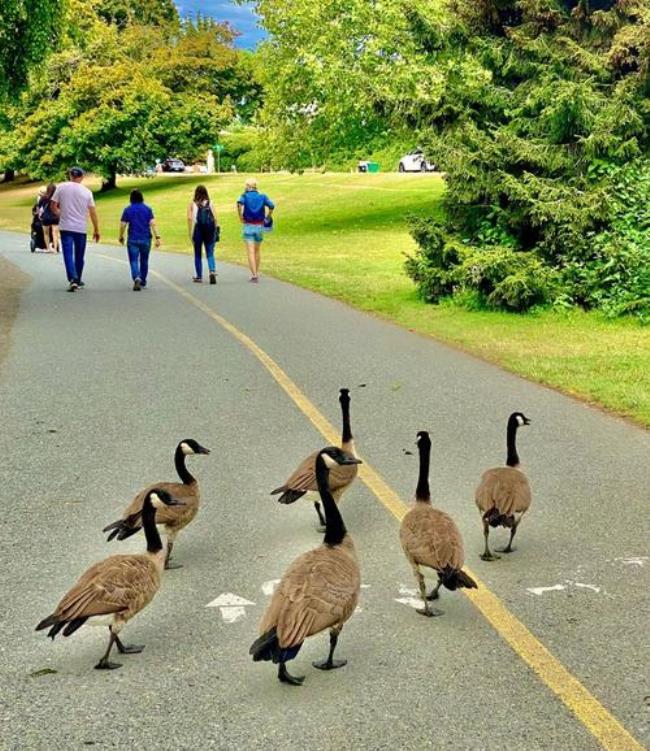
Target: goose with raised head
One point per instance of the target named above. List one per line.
(172, 519)
(503, 496)
(303, 480)
(114, 590)
(431, 538)
(319, 590)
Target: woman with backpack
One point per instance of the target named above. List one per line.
(49, 220)
(204, 232)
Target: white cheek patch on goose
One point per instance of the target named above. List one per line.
(155, 501)
(329, 462)
(520, 420)
(186, 449)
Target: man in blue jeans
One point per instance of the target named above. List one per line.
(72, 202)
(139, 218)
(252, 209)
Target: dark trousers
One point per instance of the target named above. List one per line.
(73, 245)
(139, 258)
(199, 242)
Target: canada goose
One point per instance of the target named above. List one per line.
(112, 591)
(303, 480)
(173, 519)
(431, 538)
(320, 588)
(503, 495)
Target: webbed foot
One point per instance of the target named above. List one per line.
(329, 664)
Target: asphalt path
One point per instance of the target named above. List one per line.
(97, 389)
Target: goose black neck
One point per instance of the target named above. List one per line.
(513, 458)
(154, 544)
(334, 527)
(422, 492)
(346, 436)
(183, 472)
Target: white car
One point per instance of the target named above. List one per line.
(415, 161)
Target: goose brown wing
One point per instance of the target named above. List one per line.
(431, 538)
(319, 590)
(304, 477)
(504, 488)
(189, 494)
(116, 584)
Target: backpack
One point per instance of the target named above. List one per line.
(206, 223)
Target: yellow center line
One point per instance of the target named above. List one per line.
(590, 712)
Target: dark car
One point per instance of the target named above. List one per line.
(173, 165)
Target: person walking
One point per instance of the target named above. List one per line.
(72, 202)
(139, 219)
(49, 220)
(204, 232)
(252, 209)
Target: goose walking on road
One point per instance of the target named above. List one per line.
(431, 538)
(173, 519)
(319, 590)
(303, 480)
(503, 495)
(114, 590)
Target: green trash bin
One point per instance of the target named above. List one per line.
(373, 166)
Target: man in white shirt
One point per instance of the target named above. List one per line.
(72, 201)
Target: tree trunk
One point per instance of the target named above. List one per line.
(9, 176)
(111, 180)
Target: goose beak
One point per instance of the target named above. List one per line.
(526, 421)
(202, 450)
(351, 460)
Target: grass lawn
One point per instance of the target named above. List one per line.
(344, 235)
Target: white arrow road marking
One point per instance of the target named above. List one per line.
(232, 607)
(268, 588)
(410, 597)
(593, 587)
(542, 590)
(228, 599)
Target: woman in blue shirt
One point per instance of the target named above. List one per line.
(139, 219)
(252, 209)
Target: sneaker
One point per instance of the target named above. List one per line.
(143, 285)
(197, 279)
(254, 279)
(137, 285)
(73, 286)
(213, 278)
(81, 284)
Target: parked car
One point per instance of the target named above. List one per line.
(173, 165)
(415, 161)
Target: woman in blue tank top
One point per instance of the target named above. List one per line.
(255, 211)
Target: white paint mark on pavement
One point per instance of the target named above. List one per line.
(232, 607)
(542, 590)
(639, 560)
(268, 588)
(592, 587)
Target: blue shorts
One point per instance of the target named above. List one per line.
(253, 233)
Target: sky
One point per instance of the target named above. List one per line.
(242, 17)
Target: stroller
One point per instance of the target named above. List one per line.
(37, 238)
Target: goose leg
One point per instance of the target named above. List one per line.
(321, 518)
(434, 595)
(168, 565)
(487, 555)
(508, 548)
(330, 663)
(285, 677)
(426, 610)
(128, 649)
(104, 663)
